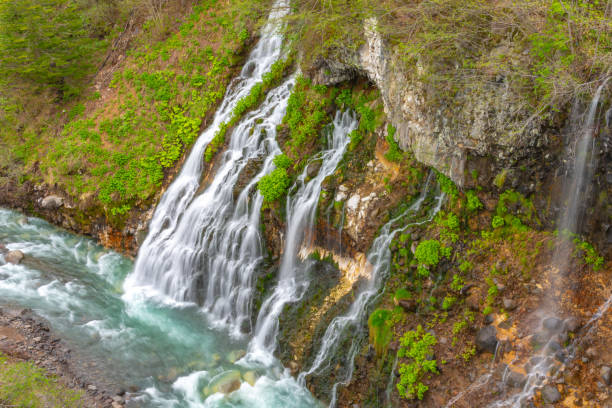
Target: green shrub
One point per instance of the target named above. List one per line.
(497, 221)
(394, 154)
(402, 294)
(448, 302)
(282, 161)
(473, 203)
(274, 185)
(447, 186)
(428, 253)
(380, 324)
(417, 347)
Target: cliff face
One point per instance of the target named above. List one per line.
(486, 136)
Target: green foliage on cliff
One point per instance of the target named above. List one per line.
(417, 347)
(306, 115)
(112, 145)
(380, 324)
(274, 185)
(22, 384)
(428, 254)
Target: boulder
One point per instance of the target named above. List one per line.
(250, 377)
(235, 355)
(509, 304)
(408, 305)
(313, 169)
(52, 202)
(486, 339)
(473, 299)
(550, 394)
(13, 257)
(224, 383)
(515, 379)
(571, 324)
(552, 324)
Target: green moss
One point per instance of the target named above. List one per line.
(380, 324)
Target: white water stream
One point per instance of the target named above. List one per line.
(301, 212)
(349, 325)
(207, 244)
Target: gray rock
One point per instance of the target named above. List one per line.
(509, 304)
(516, 380)
(52, 202)
(571, 324)
(14, 256)
(313, 169)
(552, 324)
(550, 394)
(486, 339)
(606, 373)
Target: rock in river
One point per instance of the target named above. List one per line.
(13, 257)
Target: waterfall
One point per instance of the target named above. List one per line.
(209, 244)
(301, 212)
(340, 328)
(579, 177)
(575, 186)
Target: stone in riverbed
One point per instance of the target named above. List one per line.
(52, 202)
(224, 383)
(250, 377)
(14, 256)
(235, 355)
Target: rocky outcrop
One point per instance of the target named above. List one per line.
(52, 202)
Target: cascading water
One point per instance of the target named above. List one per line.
(348, 325)
(574, 189)
(169, 353)
(208, 245)
(301, 211)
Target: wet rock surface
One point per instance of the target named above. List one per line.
(26, 336)
(486, 339)
(14, 257)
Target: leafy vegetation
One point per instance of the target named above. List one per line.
(428, 253)
(380, 324)
(417, 347)
(22, 384)
(114, 145)
(274, 185)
